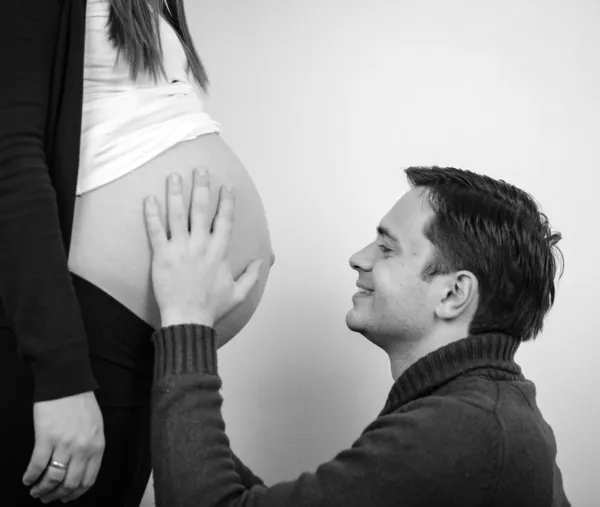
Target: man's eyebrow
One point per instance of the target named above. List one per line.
(384, 231)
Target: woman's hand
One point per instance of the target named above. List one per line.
(192, 280)
(69, 431)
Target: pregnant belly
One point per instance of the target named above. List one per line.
(110, 246)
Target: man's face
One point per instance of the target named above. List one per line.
(398, 304)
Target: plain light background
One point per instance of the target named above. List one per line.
(325, 101)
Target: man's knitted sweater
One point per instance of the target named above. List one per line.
(459, 428)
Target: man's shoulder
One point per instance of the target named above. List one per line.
(464, 413)
(476, 399)
(487, 429)
(489, 394)
(505, 410)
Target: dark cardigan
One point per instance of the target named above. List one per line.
(41, 94)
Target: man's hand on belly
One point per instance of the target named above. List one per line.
(192, 279)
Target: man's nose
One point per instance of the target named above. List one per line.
(361, 260)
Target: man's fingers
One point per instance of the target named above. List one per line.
(247, 280)
(71, 482)
(177, 216)
(154, 226)
(39, 461)
(200, 206)
(223, 225)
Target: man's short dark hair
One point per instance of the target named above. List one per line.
(496, 231)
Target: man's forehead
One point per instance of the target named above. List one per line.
(406, 222)
(409, 214)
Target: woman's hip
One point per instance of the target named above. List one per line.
(120, 347)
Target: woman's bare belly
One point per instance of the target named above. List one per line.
(110, 245)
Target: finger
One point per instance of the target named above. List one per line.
(246, 281)
(39, 461)
(53, 476)
(71, 482)
(91, 472)
(223, 227)
(200, 206)
(75, 495)
(88, 480)
(176, 213)
(154, 225)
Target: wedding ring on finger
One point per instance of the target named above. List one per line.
(58, 465)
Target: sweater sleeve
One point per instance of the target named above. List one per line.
(36, 291)
(401, 459)
(247, 477)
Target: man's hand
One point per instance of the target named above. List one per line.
(68, 431)
(191, 277)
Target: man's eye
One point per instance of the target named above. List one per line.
(384, 248)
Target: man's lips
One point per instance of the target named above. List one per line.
(363, 291)
(364, 288)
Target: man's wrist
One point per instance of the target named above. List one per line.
(174, 318)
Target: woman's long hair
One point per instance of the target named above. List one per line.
(134, 30)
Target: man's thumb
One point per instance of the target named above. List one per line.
(247, 280)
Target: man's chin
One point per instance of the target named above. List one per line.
(355, 322)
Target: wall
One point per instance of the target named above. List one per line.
(326, 101)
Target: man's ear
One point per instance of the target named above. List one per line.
(459, 293)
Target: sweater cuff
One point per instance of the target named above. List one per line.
(63, 372)
(184, 348)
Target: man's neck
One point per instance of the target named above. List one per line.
(407, 353)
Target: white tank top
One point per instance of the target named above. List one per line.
(127, 123)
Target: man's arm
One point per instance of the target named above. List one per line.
(247, 477)
(408, 459)
(35, 285)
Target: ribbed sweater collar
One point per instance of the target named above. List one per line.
(492, 353)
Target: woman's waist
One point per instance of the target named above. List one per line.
(109, 242)
(121, 201)
(116, 140)
(107, 119)
(103, 159)
(97, 95)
